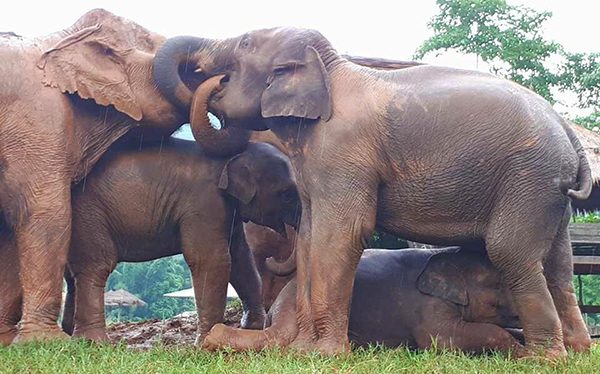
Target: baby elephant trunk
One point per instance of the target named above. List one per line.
(223, 142)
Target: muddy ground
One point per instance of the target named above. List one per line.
(179, 330)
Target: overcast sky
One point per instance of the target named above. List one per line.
(370, 28)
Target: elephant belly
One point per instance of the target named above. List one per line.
(443, 220)
(139, 248)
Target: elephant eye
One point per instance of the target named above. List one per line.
(284, 69)
(288, 195)
(245, 42)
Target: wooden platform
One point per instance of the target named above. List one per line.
(585, 240)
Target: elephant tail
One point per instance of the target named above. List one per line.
(584, 172)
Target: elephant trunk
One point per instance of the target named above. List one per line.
(223, 142)
(173, 54)
(282, 269)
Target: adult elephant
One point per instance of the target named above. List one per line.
(431, 154)
(64, 99)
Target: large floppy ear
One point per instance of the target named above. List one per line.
(91, 64)
(237, 180)
(298, 88)
(443, 277)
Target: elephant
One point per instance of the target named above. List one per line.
(409, 297)
(170, 198)
(269, 250)
(429, 153)
(64, 99)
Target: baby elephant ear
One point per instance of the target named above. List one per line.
(443, 278)
(236, 179)
(298, 88)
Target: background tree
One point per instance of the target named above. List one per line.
(150, 281)
(509, 39)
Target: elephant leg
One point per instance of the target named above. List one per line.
(247, 282)
(69, 307)
(207, 255)
(517, 241)
(281, 332)
(43, 232)
(307, 333)
(10, 291)
(89, 319)
(558, 269)
(338, 240)
(473, 337)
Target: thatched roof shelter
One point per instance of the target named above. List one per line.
(122, 298)
(590, 140)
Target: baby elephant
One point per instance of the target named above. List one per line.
(409, 297)
(140, 205)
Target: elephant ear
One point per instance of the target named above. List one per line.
(92, 64)
(443, 277)
(298, 88)
(236, 179)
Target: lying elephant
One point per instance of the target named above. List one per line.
(140, 205)
(405, 297)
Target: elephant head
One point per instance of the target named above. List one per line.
(469, 280)
(270, 73)
(109, 59)
(261, 180)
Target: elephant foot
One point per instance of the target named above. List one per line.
(303, 343)
(554, 353)
(94, 334)
(253, 320)
(216, 338)
(581, 343)
(333, 347)
(27, 335)
(7, 335)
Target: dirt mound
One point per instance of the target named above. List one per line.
(179, 330)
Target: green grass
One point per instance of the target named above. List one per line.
(82, 357)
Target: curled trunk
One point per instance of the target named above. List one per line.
(223, 142)
(180, 55)
(282, 269)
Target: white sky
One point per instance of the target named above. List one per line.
(372, 28)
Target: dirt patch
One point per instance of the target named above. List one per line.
(179, 330)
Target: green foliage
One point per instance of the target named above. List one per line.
(384, 240)
(83, 357)
(507, 37)
(587, 289)
(150, 281)
(588, 217)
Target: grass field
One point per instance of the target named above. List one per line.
(82, 357)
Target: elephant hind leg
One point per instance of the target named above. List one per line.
(517, 240)
(558, 269)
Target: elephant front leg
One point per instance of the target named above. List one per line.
(210, 263)
(43, 234)
(247, 282)
(10, 291)
(306, 333)
(339, 237)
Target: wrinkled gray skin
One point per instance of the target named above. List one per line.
(139, 205)
(432, 154)
(405, 297)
